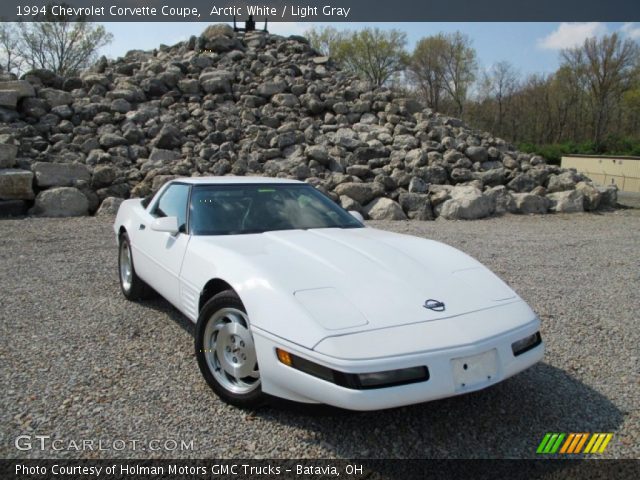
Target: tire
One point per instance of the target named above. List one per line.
(226, 353)
(132, 286)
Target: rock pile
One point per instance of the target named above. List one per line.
(258, 104)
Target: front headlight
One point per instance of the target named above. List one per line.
(390, 378)
(356, 381)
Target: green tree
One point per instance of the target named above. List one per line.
(425, 69)
(606, 65)
(459, 68)
(326, 39)
(373, 54)
(443, 67)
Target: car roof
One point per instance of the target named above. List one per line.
(231, 180)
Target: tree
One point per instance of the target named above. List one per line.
(63, 44)
(326, 40)
(10, 59)
(499, 84)
(459, 68)
(373, 54)
(606, 64)
(443, 66)
(425, 69)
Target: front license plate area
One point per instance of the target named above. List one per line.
(473, 371)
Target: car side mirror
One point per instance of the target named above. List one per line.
(357, 215)
(166, 224)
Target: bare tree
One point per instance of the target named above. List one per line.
(606, 64)
(10, 59)
(499, 83)
(63, 44)
(459, 68)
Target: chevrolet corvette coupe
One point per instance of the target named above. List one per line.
(293, 297)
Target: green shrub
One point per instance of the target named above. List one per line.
(611, 146)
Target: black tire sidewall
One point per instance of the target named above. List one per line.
(226, 299)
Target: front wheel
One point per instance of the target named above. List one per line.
(226, 353)
(132, 286)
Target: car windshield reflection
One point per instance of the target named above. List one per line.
(256, 208)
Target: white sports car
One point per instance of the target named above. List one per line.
(294, 297)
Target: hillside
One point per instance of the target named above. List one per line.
(257, 104)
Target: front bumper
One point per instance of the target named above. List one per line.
(444, 375)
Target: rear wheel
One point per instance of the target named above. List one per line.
(226, 353)
(132, 286)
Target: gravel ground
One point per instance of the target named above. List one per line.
(80, 362)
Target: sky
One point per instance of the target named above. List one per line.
(532, 47)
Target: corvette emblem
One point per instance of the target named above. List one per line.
(435, 305)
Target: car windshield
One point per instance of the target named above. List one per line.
(257, 208)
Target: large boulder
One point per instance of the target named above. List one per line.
(522, 183)
(8, 154)
(319, 153)
(217, 30)
(109, 206)
(16, 184)
(61, 202)
(561, 182)
(60, 174)
(492, 177)
(8, 99)
(417, 206)
(54, 97)
(528, 203)
(109, 140)
(349, 203)
(608, 197)
(568, 201)
(417, 185)
(103, 176)
(169, 137)
(269, 89)
(217, 81)
(285, 100)
(477, 154)
(502, 198)
(433, 174)
(384, 209)
(591, 195)
(362, 193)
(467, 203)
(21, 87)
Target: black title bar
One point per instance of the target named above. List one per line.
(326, 11)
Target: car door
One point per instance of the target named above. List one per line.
(160, 254)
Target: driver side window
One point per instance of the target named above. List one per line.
(173, 203)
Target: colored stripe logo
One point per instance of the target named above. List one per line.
(592, 443)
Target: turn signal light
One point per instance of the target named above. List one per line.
(284, 357)
(525, 344)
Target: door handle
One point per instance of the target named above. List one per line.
(142, 226)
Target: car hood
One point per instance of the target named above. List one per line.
(360, 279)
